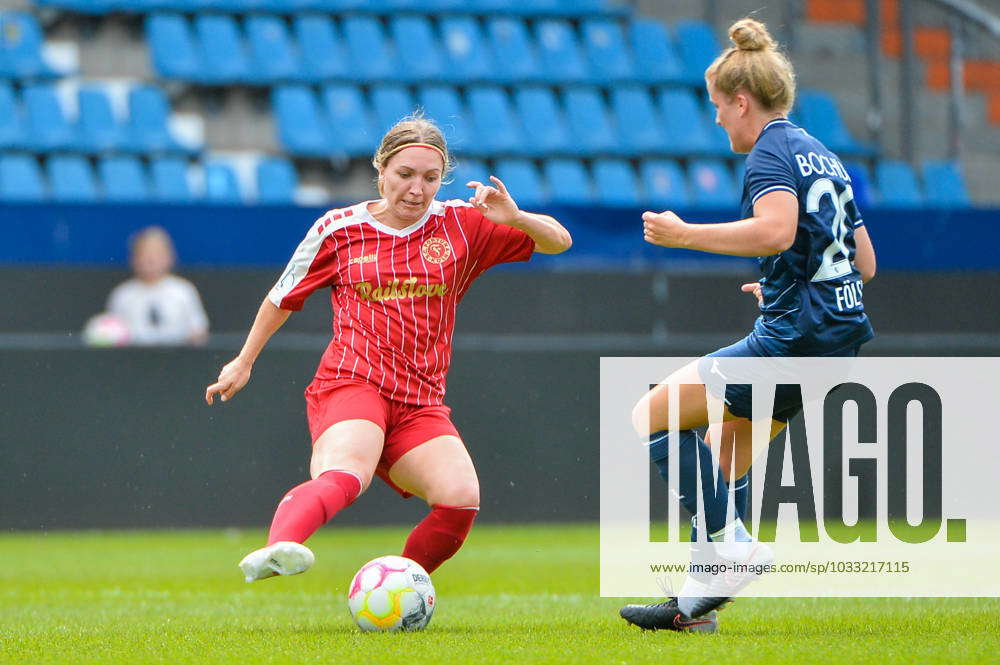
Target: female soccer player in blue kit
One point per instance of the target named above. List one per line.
(799, 218)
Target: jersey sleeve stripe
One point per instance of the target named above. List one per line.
(305, 255)
(858, 223)
(773, 188)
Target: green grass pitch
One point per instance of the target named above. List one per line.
(514, 594)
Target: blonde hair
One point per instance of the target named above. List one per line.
(754, 64)
(415, 129)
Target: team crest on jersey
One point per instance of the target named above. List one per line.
(436, 250)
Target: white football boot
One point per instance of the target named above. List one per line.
(741, 562)
(281, 558)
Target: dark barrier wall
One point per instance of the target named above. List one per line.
(517, 302)
(266, 235)
(123, 438)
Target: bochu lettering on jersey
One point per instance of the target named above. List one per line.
(821, 165)
(396, 290)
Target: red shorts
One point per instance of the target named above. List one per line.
(406, 426)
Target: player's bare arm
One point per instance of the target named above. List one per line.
(771, 230)
(864, 254)
(236, 373)
(498, 206)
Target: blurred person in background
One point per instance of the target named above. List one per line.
(396, 268)
(154, 307)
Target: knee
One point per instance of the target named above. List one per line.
(457, 492)
(641, 418)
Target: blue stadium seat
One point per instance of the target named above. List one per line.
(467, 58)
(86, 6)
(124, 179)
(273, 57)
(665, 184)
(170, 180)
(712, 184)
(372, 57)
(568, 182)
(320, 48)
(512, 46)
(223, 51)
(353, 130)
(944, 185)
(99, 129)
(11, 121)
(639, 125)
(71, 178)
(523, 180)
(559, 52)
(443, 105)
(897, 185)
(148, 129)
(47, 125)
(20, 178)
(862, 184)
(221, 185)
(616, 183)
(302, 125)
(172, 45)
(276, 180)
(820, 116)
(544, 125)
(656, 60)
(684, 126)
(608, 57)
(466, 169)
(698, 47)
(589, 122)
(495, 124)
(412, 35)
(21, 42)
(391, 103)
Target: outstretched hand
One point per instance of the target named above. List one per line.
(232, 378)
(754, 288)
(665, 229)
(495, 202)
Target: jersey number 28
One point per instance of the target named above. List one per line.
(830, 268)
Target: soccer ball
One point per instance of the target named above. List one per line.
(105, 329)
(391, 593)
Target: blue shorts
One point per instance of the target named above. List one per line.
(739, 396)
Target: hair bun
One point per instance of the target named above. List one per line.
(751, 35)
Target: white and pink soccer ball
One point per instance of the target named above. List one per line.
(106, 329)
(391, 593)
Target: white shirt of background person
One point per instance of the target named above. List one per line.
(156, 306)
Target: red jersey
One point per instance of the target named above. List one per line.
(394, 291)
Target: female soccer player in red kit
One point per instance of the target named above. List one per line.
(396, 267)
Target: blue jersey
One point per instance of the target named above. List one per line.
(812, 292)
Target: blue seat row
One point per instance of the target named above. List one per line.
(486, 120)
(896, 184)
(36, 120)
(518, 7)
(73, 178)
(21, 42)
(217, 49)
(657, 183)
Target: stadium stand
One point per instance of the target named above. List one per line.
(507, 79)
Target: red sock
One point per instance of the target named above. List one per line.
(312, 504)
(439, 536)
